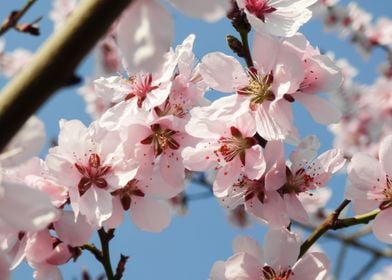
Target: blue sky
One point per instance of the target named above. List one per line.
(192, 243)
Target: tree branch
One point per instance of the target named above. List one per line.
(332, 222)
(105, 239)
(14, 17)
(55, 63)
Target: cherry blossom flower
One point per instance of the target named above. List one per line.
(44, 252)
(157, 145)
(227, 146)
(370, 187)
(146, 210)
(263, 88)
(259, 195)
(308, 173)
(321, 75)
(277, 17)
(90, 163)
(278, 260)
(12, 62)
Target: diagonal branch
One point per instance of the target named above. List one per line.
(55, 63)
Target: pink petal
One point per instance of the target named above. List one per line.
(26, 209)
(281, 248)
(45, 272)
(275, 212)
(365, 172)
(117, 214)
(5, 267)
(254, 162)
(222, 72)
(96, 205)
(243, 267)
(263, 56)
(74, 233)
(248, 245)
(321, 110)
(39, 246)
(218, 271)
(60, 255)
(385, 154)
(382, 227)
(295, 208)
(144, 34)
(204, 9)
(312, 266)
(276, 165)
(266, 125)
(150, 215)
(172, 169)
(200, 158)
(226, 177)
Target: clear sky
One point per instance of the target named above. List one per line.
(192, 243)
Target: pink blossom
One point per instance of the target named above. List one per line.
(157, 145)
(308, 173)
(12, 62)
(381, 32)
(321, 75)
(227, 146)
(90, 163)
(278, 260)
(370, 187)
(277, 17)
(278, 71)
(260, 196)
(146, 211)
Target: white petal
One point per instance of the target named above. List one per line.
(144, 35)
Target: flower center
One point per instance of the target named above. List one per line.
(170, 109)
(270, 274)
(161, 139)
(126, 193)
(141, 85)
(296, 183)
(235, 145)
(388, 194)
(259, 8)
(93, 173)
(259, 89)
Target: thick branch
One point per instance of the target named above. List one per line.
(55, 63)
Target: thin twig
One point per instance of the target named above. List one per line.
(13, 19)
(105, 239)
(328, 223)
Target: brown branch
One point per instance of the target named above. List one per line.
(328, 224)
(14, 17)
(55, 63)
